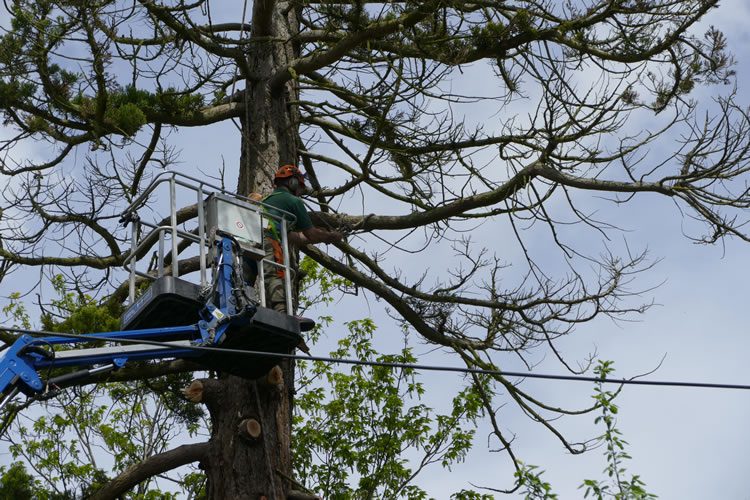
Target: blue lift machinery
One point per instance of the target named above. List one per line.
(177, 315)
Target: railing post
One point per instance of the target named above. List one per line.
(173, 213)
(133, 244)
(161, 254)
(202, 235)
(287, 267)
(261, 279)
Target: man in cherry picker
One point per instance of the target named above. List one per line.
(290, 185)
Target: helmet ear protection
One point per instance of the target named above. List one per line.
(291, 176)
(293, 184)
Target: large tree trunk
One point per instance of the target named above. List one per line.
(249, 452)
(270, 125)
(240, 466)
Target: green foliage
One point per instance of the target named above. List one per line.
(530, 482)
(129, 108)
(13, 91)
(168, 101)
(319, 286)
(353, 428)
(73, 312)
(491, 36)
(35, 32)
(15, 311)
(194, 486)
(86, 431)
(619, 486)
(127, 118)
(470, 495)
(16, 482)
(62, 443)
(36, 29)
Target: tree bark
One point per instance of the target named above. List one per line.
(237, 467)
(242, 468)
(270, 124)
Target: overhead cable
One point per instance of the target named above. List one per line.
(391, 364)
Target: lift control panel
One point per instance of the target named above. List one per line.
(239, 219)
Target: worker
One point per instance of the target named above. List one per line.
(285, 199)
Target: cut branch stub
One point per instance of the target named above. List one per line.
(250, 430)
(274, 378)
(206, 390)
(194, 392)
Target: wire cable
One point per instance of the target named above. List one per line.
(389, 364)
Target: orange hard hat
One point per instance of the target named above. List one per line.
(288, 171)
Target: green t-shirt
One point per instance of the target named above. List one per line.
(285, 201)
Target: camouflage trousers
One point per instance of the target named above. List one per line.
(273, 276)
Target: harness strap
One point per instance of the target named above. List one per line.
(271, 229)
(278, 255)
(274, 239)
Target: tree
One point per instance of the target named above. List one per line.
(359, 92)
(360, 423)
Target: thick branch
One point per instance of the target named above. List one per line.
(441, 213)
(82, 260)
(205, 116)
(384, 292)
(157, 464)
(556, 175)
(320, 60)
(195, 36)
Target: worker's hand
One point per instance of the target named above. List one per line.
(297, 239)
(319, 235)
(334, 237)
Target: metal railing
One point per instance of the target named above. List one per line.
(141, 244)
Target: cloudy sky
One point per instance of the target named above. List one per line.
(685, 443)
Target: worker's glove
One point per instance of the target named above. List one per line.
(334, 237)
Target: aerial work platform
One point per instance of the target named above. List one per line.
(228, 237)
(187, 302)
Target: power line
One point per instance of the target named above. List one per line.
(389, 364)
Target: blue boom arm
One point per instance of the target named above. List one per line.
(22, 362)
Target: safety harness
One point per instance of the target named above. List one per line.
(273, 238)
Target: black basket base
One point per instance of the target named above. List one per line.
(268, 331)
(169, 301)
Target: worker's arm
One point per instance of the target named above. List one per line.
(314, 235)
